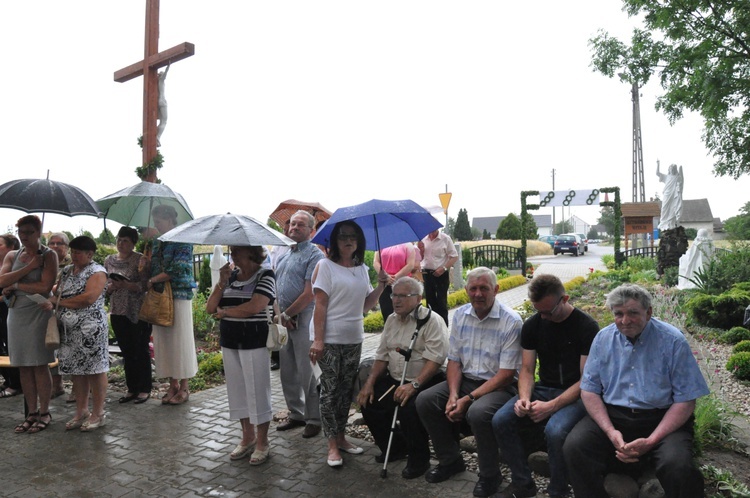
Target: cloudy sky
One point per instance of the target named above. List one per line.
(338, 102)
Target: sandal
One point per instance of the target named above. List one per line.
(242, 450)
(168, 396)
(260, 457)
(76, 423)
(26, 424)
(179, 398)
(40, 424)
(9, 392)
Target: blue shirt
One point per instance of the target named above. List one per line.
(483, 347)
(293, 270)
(655, 372)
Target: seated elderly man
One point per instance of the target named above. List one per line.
(639, 387)
(483, 359)
(422, 371)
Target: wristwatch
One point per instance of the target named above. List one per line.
(472, 398)
(415, 385)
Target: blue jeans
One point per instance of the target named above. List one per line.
(506, 423)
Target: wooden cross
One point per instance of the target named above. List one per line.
(152, 61)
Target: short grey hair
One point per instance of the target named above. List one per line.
(482, 271)
(414, 285)
(310, 218)
(60, 235)
(625, 293)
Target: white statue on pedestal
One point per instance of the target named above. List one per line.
(698, 256)
(671, 203)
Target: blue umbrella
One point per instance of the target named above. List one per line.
(385, 223)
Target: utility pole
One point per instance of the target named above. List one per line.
(639, 188)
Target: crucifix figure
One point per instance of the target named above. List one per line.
(152, 61)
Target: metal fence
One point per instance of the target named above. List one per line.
(494, 255)
(651, 252)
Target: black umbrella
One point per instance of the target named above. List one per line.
(46, 196)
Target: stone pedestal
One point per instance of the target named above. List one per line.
(673, 243)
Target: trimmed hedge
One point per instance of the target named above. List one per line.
(739, 365)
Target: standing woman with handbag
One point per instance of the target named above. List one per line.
(243, 300)
(84, 337)
(174, 347)
(12, 384)
(30, 270)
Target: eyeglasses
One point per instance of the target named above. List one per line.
(552, 311)
(52, 244)
(402, 296)
(347, 236)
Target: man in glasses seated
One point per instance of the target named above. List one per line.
(382, 391)
(560, 336)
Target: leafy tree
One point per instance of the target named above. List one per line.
(701, 52)
(86, 233)
(738, 227)
(691, 233)
(450, 226)
(510, 228)
(272, 224)
(608, 220)
(69, 234)
(106, 237)
(530, 227)
(593, 234)
(564, 226)
(462, 230)
(486, 235)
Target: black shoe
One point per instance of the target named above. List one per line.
(290, 424)
(515, 491)
(393, 457)
(275, 365)
(442, 473)
(487, 486)
(414, 471)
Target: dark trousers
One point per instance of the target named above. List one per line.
(589, 455)
(410, 436)
(386, 305)
(436, 292)
(133, 339)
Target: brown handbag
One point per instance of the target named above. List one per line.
(158, 307)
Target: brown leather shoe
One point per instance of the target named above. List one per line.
(311, 430)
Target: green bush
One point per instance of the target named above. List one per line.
(739, 365)
(609, 261)
(203, 322)
(639, 263)
(735, 335)
(204, 277)
(211, 363)
(724, 311)
(102, 251)
(729, 269)
(742, 347)
(374, 322)
(467, 260)
(369, 257)
(669, 279)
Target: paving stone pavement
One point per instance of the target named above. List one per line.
(183, 451)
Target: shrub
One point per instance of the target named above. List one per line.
(204, 277)
(203, 322)
(669, 279)
(724, 311)
(211, 363)
(713, 424)
(735, 335)
(730, 268)
(374, 322)
(609, 261)
(467, 260)
(742, 347)
(637, 264)
(739, 365)
(574, 283)
(102, 251)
